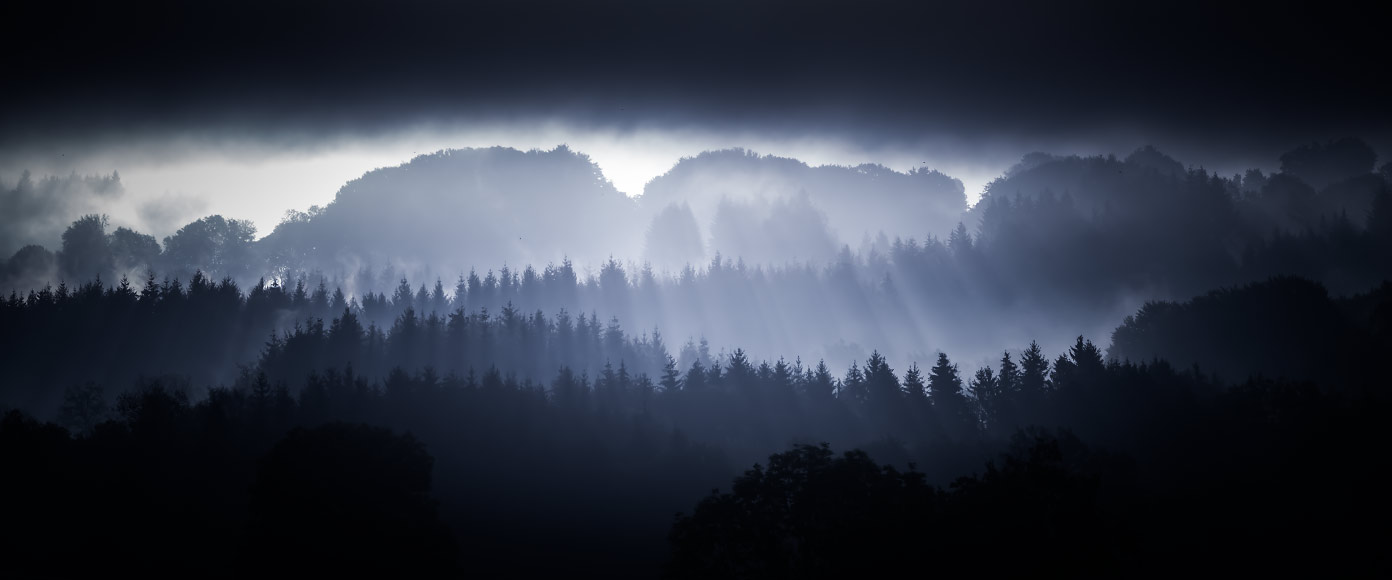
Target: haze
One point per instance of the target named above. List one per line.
(446, 289)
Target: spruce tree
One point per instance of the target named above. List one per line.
(853, 386)
(985, 390)
(944, 383)
(914, 388)
(671, 377)
(882, 386)
(1034, 369)
(821, 386)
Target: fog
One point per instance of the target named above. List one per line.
(779, 257)
(429, 289)
(561, 382)
(260, 178)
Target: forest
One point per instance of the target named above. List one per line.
(694, 289)
(1057, 246)
(1123, 366)
(1073, 463)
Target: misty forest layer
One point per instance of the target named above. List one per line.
(737, 247)
(350, 394)
(695, 289)
(482, 470)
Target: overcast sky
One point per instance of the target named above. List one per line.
(252, 108)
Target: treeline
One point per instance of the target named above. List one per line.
(1098, 227)
(114, 335)
(540, 473)
(258, 480)
(90, 249)
(207, 330)
(110, 337)
(1057, 247)
(539, 477)
(1283, 327)
(1055, 505)
(242, 429)
(210, 334)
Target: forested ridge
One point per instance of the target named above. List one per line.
(692, 290)
(511, 438)
(1125, 367)
(1057, 246)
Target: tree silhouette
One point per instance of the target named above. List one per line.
(347, 499)
(950, 404)
(809, 514)
(86, 253)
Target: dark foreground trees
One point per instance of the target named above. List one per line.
(1050, 506)
(174, 493)
(810, 514)
(347, 499)
(583, 471)
(1264, 476)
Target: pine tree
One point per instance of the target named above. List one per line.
(319, 300)
(339, 301)
(1087, 358)
(882, 386)
(567, 390)
(919, 410)
(401, 299)
(422, 301)
(782, 377)
(438, 302)
(644, 386)
(1009, 376)
(739, 372)
(1034, 369)
(657, 348)
(985, 389)
(151, 292)
(820, 385)
(960, 242)
(299, 300)
(715, 375)
(695, 377)
(671, 377)
(914, 388)
(949, 402)
(853, 386)
(1008, 401)
(461, 293)
(944, 383)
(1064, 374)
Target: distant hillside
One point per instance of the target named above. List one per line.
(458, 209)
(1287, 327)
(455, 209)
(1143, 185)
(823, 206)
(1163, 231)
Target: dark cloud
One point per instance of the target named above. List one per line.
(1192, 76)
